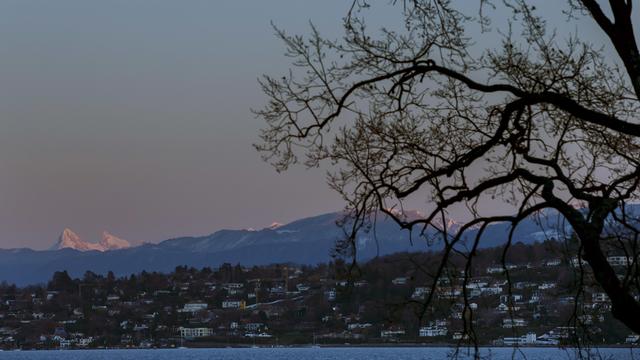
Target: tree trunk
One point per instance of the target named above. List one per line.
(623, 306)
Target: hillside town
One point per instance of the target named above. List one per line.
(381, 301)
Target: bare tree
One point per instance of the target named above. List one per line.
(538, 121)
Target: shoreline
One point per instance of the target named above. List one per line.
(329, 346)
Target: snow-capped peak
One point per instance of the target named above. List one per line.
(68, 237)
(112, 242)
(70, 240)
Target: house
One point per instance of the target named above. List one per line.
(258, 335)
(187, 332)
(140, 327)
(599, 297)
(64, 343)
(193, 307)
(477, 285)
(52, 294)
(234, 304)
(432, 331)
(402, 280)
(358, 326)
(234, 288)
(554, 336)
(524, 284)
(441, 323)
(577, 263)
(473, 293)
(84, 341)
(458, 335)
(632, 339)
(495, 269)
(392, 333)
(494, 290)
(37, 316)
(546, 286)
(552, 262)
(618, 260)
(60, 333)
(535, 298)
(449, 292)
(419, 293)
(361, 283)
(514, 298)
(330, 294)
(509, 323)
(528, 339)
(503, 308)
(126, 339)
(253, 326)
(277, 290)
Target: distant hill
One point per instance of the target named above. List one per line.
(305, 241)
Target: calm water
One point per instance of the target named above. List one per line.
(309, 353)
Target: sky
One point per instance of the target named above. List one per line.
(134, 117)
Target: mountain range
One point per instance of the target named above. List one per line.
(305, 241)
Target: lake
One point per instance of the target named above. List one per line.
(372, 353)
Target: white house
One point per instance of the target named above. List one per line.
(495, 270)
(528, 339)
(419, 293)
(509, 323)
(552, 262)
(477, 285)
(546, 286)
(599, 297)
(193, 307)
(618, 260)
(432, 331)
(186, 332)
(632, 339)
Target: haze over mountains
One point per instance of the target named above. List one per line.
(305, 241)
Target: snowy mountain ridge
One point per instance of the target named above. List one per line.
(70, 240)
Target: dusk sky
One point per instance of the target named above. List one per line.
(134, 117)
